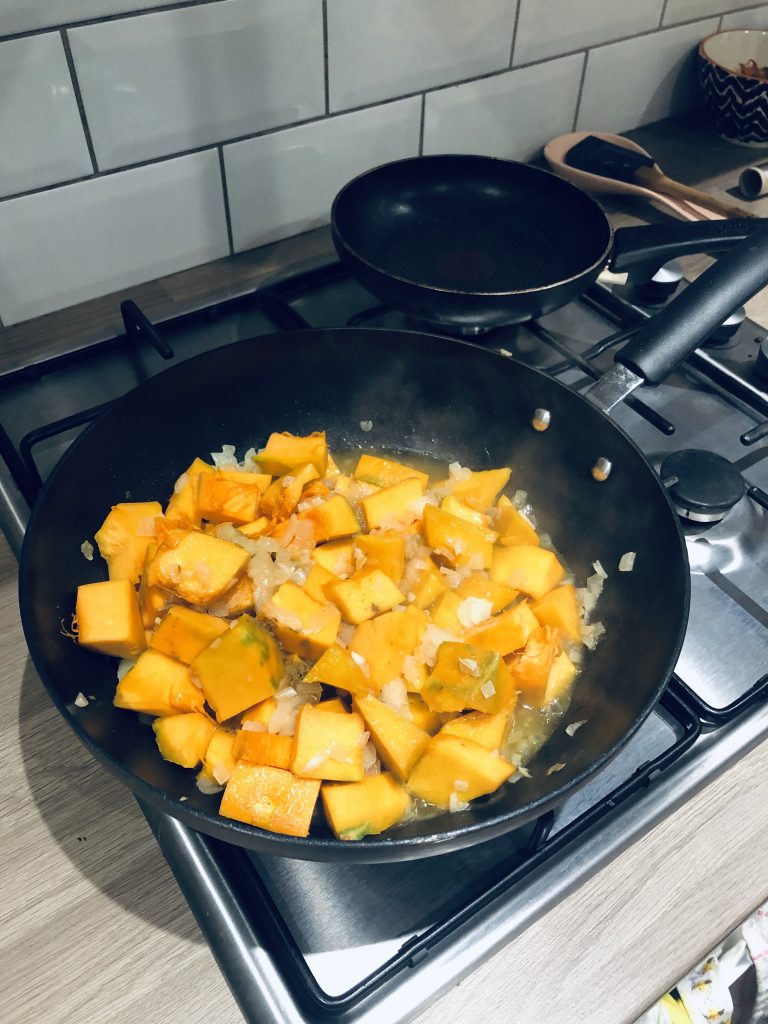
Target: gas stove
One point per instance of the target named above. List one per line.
(301, 941)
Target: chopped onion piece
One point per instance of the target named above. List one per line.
(124, 667)
(361, 663)
(571, 729)
(591, 634)
(455, 804)
(181, 483)
(207, 786)
(87, 549)
(458, 472)
(488, 689)
(524, 772)
(555, 768)
(627, 561)
(474, 610)
(366, 425)
(460, 785)
(81, 700)
(470, 665)
(225, 459)
(254, 727)
(597, 566)
(395, 695)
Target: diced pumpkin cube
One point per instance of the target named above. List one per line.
(487, 730)
(264, 748)
(158, 685)
(394, 507)
(284, 494)
(534, 570)
(238, 599)
(531, 667)
(327, 745)
(108, 618)
(456, 766)
(261, 712)
(124, 536)
(427, 585)
(184, 739)
(224, 500)
(398, 741)
(512, 526)
(332, 520)
(457, 508)
(444, 612)
(457, 541)
(467, 676)
(385, 641)
(479, 489)
(477, 585)
(364, 596)
(301, 624)
(559, 680)
(182, 507)
(285, 452)
(337, 667)
(506, 632)
(152, 600)
(257, 528)
(385, 551)
(384, 472)
(219, 760)
(357, 809)
(240, 668)
(196, 567)
(184, 633)
(559, 608)
(422, 716)
(270, 798)
(314, 585)
(244, 476)
(335, 706)
(337, 556)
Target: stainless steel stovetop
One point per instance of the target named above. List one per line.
(299, 941)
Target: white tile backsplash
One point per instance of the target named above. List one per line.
(545, 29)
(643, 79)
(284, 183)
(378, 49)
(757, 17)
(176, 80)
(79, 241)
(25, 15)
(41, 138)
(509, 115)
(687, 10)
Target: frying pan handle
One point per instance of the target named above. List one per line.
(670, 336)
(655, 244)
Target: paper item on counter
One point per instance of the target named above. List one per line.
(755, 932)
(705, 993)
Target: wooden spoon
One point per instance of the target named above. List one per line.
(556, 150)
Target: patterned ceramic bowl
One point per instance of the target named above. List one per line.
(733, 71)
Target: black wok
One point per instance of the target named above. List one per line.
(475, 241)
(424, 395)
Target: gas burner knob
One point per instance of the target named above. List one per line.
(761, 363)
(702, 486)
(655, 291)
(727, 329)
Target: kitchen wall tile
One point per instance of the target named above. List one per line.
(641, 80)
(559, 26)
(378, 49)
(687, 10)
(756, 17)
(284, 183)
(23, 15)
(509, 115)
(41, 137)
(73, 243)
(175, 80)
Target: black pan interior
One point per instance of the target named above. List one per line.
(471, 224)
(424, 395)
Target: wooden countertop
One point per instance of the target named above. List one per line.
(94, 928)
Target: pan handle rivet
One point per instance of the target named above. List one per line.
(541, 419)
(602, 469)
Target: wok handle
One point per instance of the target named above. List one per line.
(655, 244)
(671, 335)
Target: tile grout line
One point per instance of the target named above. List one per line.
(663, 14)
(78, 98)
(326, 62)
(421, 125)
(580, 90)
(514, 33)
(225, 196)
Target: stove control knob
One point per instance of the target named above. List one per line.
(727, 329)
(659, 288)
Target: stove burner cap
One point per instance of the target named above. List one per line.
(703, 486)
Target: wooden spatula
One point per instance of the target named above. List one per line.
(598, 156)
